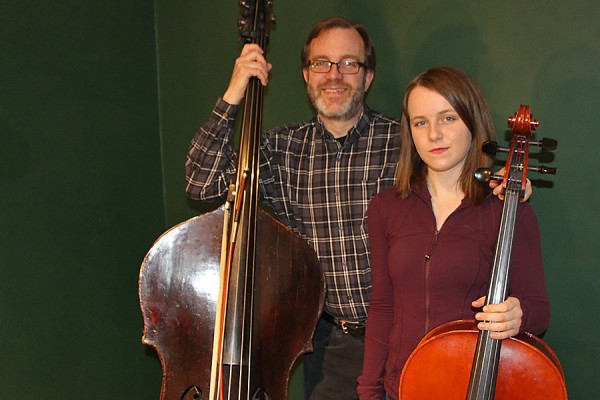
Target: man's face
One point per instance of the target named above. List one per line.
(334, 95)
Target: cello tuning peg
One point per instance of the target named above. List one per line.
(545, 144)
(490, 147)
(484, 175)
(542, 169)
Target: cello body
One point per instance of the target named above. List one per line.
(440, 366)
(179, 282)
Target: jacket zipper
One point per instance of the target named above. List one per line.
(427, 271)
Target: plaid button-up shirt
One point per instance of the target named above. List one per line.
(318, 186)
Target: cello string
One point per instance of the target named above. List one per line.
(482, 382)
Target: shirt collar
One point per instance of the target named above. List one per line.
(361, 127)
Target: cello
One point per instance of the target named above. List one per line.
(230, 299)
(458, 361)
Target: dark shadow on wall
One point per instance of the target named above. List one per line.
(14, 153)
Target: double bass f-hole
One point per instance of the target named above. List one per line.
(192, 393)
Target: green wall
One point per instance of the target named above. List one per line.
(81, 197)
(545, 53)
(94, 131)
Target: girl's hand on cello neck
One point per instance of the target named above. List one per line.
(498, 188)
(503, 319)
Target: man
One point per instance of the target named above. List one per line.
(318, 177)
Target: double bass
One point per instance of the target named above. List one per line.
(230, 299)
(458, 361)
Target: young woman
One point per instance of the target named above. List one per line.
(433, 236)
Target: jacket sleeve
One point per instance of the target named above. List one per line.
(380, 320)
(211, 161)
(527, 280)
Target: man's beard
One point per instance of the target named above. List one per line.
(347, 111)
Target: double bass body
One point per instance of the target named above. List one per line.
(179, 283)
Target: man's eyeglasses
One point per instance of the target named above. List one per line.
(346, 67)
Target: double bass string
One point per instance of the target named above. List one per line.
(242, 249)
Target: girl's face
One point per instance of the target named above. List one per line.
(441, 137)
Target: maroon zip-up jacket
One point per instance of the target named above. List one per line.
(423, 278)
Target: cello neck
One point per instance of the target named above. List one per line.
(482, 382)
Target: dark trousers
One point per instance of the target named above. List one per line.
(330, 372)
